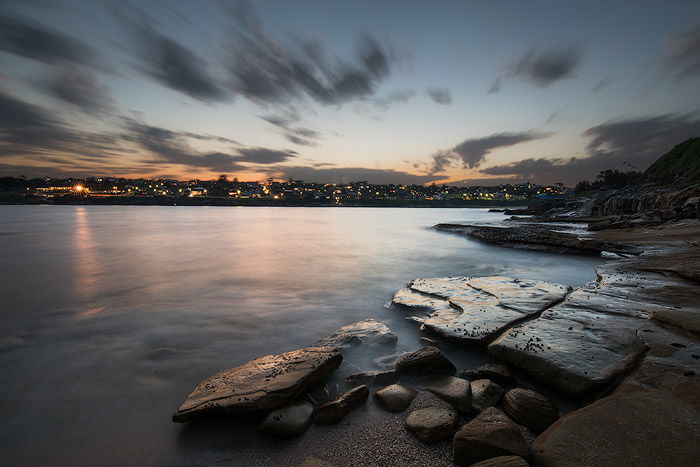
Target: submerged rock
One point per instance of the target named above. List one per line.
(395, 397)
(262, 384)
(485, 394)
(425, 360)
(477, 309)
(490, 434)
(292, 420)
(456, 391)
(369, 331)
(530, 408)
(335, 410)
(431, 424)
(494, 371)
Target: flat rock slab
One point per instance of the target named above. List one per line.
(292, 420)
(494, 371)
(490, 434)
(262, 384)
(335, 410)
(485, 394)
(369, 331)
(395, 397)
(643, 428)
(431, 424)
(477, 309)
(455, 391)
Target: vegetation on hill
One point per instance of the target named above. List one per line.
(680, 164)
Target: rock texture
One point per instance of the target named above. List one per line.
(456, 391)
(490, 434)
(503, 461)
(368, 331)
(530, 408)
(262, 384)
(335, 410)
(494, 371)
(425, 360)
(373, 377)
(431, 424)
(485, 394)
(477, 309)
(395, 397)
(292, 420)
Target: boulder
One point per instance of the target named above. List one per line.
(425, 360)
(485, 394)
(494, 371)
(292, 420)
(477, 309)
(503, 461)
(490, 434)
(395, 397)
(262, 384)
(530, 408)
(456, 391)
(369, 331)
(373, 377)
(335, 410)
(431, 424)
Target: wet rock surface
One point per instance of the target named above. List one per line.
(335, 410)
(395, 397)
(455, 391)
(262, 384)
(425, 361)
(372, 377)
(494, 371)
(485, 394)
(292, 420)
(431, 424)
(477, 309)
(530, 408)
(365, 332)
(490, 434)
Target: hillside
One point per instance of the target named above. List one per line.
(680, 164)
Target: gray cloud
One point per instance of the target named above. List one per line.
(395, 97)
(353, 174)
(472, 152)
(268, 70)
(543, 67)
(440, 95)
(32, 40)
(297, 135)
(556, 116)
(82, 90)
(602, 84)
(264, 155)
(682, 57)
(617, 144)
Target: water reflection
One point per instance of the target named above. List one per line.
(86, 268)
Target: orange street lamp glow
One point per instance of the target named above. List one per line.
(79, 188)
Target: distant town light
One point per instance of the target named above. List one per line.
(78, 188)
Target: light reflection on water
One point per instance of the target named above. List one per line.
(111, 315)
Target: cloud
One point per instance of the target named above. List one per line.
(682, 56)
(543, 67)
(82, 90)
(495, 86)
(264, 155)
(602, 84)
(266, 69)
(32, 40)
(472, 152)
(297, 135)
(440, 95)
(395, 97)
(353, 174)
(616, 144)
(556, 116)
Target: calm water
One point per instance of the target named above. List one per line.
(109, 316)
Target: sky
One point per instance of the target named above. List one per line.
(404, 92)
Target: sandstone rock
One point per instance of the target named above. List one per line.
(503, 461)
(335, 410)
(395, 397)
(485, 393)
(490, 434)
(456, 391)
(431, 424)
(262, 384)
(312, 461)
(494, 371)
(530, 408)
(425, 360)
(368, 331)
(292, 420)
(373, 377)
(642, 428)
(477, 309)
